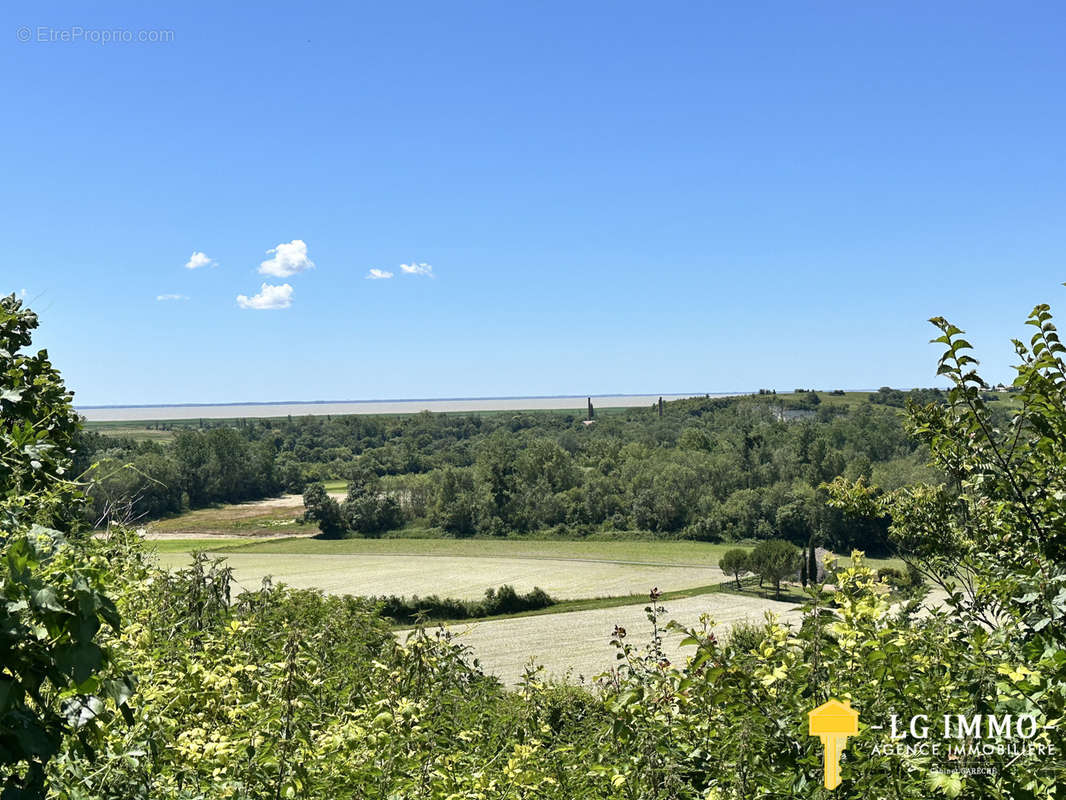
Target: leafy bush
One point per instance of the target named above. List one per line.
(504, 600)
(56, 670)
(323, 509)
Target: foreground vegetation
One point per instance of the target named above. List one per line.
(120, 680)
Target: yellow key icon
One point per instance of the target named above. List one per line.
(833, 722)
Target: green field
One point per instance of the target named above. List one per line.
(638, 551)
(635, 550)
(585, 574)
(186, 546)
(461, 577)
(136, 430)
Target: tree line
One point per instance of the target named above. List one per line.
(711, 469)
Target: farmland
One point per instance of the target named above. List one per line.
(564, 642)
(577, 645)
(600, 583)
(462, 577)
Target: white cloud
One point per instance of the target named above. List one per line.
(288, 260)
(171, 297)
(419, 268)
(378, 275)
(198, 259)
(269, 297)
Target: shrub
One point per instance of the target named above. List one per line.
(504, 600)
(323, 509)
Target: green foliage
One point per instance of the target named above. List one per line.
(37, 428)
(55, 665)
(456, 509)
(324, 510)
(735, 562)
(504, 600)
(774, 560)
(723, 469)
(888, 396)
(368, 510)
(55, 678)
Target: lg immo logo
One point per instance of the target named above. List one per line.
(973, 743)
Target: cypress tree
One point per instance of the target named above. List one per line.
(812, 560)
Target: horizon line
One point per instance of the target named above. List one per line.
(676, 395)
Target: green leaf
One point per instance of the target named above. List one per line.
(46, 600)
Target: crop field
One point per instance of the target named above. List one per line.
(636, 550)
(577, 644)
(464, 568)
(568, 643)
(461, 577)
(572, 638)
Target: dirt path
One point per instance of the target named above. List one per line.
(237, 520)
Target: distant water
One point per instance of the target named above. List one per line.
(233, 410)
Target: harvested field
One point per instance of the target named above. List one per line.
(465, 578)
(578, 642)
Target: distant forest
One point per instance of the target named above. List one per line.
(711, 469)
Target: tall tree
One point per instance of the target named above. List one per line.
(774, 560)
(38, 426)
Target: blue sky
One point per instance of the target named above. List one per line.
(613, 197)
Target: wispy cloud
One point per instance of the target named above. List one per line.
(199, 259)
(288, 259)
(269, 297)
(378, 275)
(417, 268)
(171, 297)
